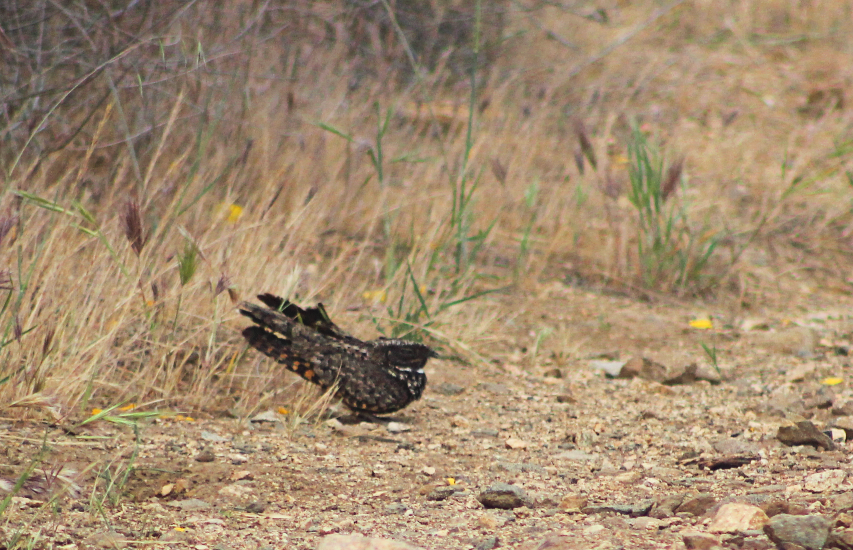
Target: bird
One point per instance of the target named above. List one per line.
(373, 377)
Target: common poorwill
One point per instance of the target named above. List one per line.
(379, 376)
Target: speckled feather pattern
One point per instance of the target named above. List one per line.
(378, 376)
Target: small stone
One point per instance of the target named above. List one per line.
(267, 416)
(488, 522)
(694, 540)
(205, 456)
(105, 539)
(543, 500)
(359, 542)
(485, 432)
(730, 446)
(397, 427)
(515, 443)
(665, 506)
(804, 433)
(824, 481)
(634, 510)
(256, 507)
(446, 388)
(190, 505)
(843, 520)
(736, 517)
(644, 368)
(799, 373)
(843, 408)
(441, 493)
(837, 435)
(628, 477)
(645, 523)
(843, 502)
(504, 496)
(395, 508)
(553, 373)
(840, 539)
(210, 436)
(697, 504)
(573, 503)
(845, 423)
(810, 532)
(487, 543)
(611, 369)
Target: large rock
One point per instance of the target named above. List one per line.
(504, 496)
(804, 433)
(736, 517)
(810, 532)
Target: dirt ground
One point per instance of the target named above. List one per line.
(597, 462)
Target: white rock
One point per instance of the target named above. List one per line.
(735, 517)
(824, 481)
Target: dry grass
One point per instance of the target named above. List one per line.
(205, 137)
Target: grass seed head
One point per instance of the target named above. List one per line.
(673, 176)
(223, 284)
(131, 219)
(586, 144)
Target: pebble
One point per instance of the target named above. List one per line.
(515, 443)
(504, 496)
(397, 427)
(634, 510)
(610, 368)
(106, 539)
(665, 506)
(810, 532)
(845, 423)
(736, 517)
(824, 481)
(441, 493)
(645, 522)
(489, 522)
(697, 505)
(210, 436)
(840, 539)
(256, 507)
(359, 542)
(395, 508)
(694, 540)
(205, 456)
(573, 503)
(843, 502)
(190, 505)
(804, 433)
(487, 543)
(843, 408)
(267, 416)
(449, 389)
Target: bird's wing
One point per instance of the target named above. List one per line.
(313, 317)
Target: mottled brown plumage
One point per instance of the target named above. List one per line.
(379, 376)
